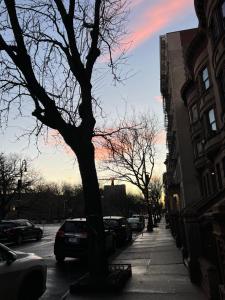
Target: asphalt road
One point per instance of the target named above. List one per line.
(59, 276)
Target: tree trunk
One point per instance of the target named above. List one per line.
(93, 210)
(150, 221)
(149, 208)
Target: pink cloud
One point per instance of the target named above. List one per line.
(154, 19)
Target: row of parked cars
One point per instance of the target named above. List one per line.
(71, 239)
(23, 275)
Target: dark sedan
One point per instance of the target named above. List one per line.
(121, 228)
(72, 240)
(17, 231)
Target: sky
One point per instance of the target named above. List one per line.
(147, 21)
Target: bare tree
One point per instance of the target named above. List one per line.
(48, 53)
(131, 154)
(13, 180)
(155, 192)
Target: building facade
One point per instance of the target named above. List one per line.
(198, 223)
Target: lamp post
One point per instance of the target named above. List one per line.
(22, 170)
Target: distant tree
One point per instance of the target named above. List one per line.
(48, 53)
(155, 192)
(131, 154)
(13, 180)
(135, 205)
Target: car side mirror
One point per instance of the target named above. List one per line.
(10, 257)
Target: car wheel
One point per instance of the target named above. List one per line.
(19, 239)
(130, 237)
(39, 236)
(60, 258)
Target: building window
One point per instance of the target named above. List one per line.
(219, 178)
(212, 120)
(205, 78)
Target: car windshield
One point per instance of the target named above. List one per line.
(77, 227)
(133, 220)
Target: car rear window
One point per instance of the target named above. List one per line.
(133, 220)
(111, 223)
(75, 227)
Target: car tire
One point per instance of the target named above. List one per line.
(130, 238)
(60, 258)
(39, 236)
(31, 288)
(19, 239)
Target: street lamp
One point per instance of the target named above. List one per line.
(23, 169)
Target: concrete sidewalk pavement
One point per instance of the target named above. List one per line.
(158, 272)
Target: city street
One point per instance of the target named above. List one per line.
(59, 276)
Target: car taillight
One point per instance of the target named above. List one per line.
(60, 233)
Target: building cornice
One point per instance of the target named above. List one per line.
(197, 45)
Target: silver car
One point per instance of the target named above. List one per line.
(22, 275)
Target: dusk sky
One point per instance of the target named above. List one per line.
(148, 20)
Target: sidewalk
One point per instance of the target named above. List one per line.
(158, 272)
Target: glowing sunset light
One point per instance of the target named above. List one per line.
(154, 19)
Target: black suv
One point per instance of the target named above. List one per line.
(121, 228)
(17, 231)
(72, 240)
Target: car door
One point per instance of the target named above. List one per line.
(29, 230)
(8, 278)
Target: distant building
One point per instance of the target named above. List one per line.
(193, 88)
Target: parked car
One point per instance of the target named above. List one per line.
(22, 275)
(19, 230)
(135, 224)
(72, 240)
(141, 220)
(121, 228)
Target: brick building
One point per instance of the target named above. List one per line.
(193, 88)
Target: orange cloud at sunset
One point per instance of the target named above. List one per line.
(154, 19)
